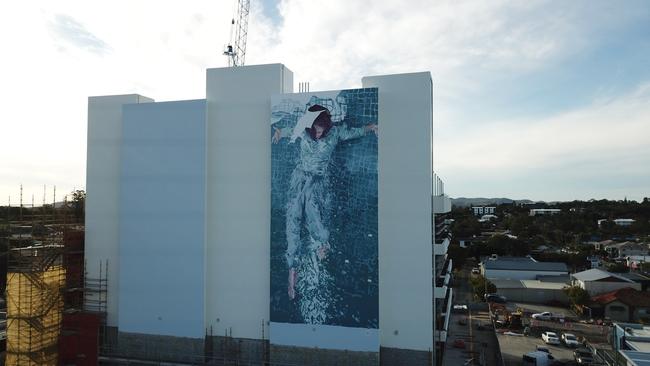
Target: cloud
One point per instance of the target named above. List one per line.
(71, 31)
(352, 39)
(566, 156)
(161, 50)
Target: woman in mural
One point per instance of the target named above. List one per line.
(309, 198)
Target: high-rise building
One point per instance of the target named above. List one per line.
(259, 224)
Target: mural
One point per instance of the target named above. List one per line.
(324, 258)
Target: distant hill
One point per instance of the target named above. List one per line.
(468, 202)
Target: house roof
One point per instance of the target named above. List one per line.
(636, 277)
(523, 264)
(627, 296)
(628, 245)
(596, 274)
(507, 284)
(636, 358)
(540, 285)
(554, 278)
(522, 284)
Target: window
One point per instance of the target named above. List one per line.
(616, 308)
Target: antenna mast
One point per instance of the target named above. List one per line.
(237, 53)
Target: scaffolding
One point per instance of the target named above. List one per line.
(45, 285)
(35, 279)
(95, 298)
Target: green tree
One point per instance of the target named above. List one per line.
(458, 255)
(504, 245)
(480, 284)
(617, 268)
(78, 204)
(577, 295)
(466, 227)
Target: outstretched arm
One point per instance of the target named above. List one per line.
(278, 133)
(348, 133)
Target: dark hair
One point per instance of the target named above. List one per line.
(323, 120)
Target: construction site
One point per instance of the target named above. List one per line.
(54, 313)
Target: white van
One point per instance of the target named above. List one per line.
(537, 358)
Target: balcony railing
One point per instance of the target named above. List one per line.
(442, 326)
(440, 247)
(442, 280)
(440, 202)
(438, 186)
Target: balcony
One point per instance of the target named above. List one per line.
(441, 229)
(441, 204)
(442, 280)
(442, 326)
(440, 247)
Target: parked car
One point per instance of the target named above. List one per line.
(570, 340)
(460, 309)
(496, 298)
(550, 338)
(547, 315)
(583, 356)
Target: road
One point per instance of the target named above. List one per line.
(479, 344)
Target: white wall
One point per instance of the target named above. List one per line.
(519, 274)
(597, 288)
(441, 204)
(238, 196)
(162, 219)
(405, 227)
(102, 188)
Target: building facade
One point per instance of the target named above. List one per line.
(520, 268)
(179, 220)
(483, 210)
(544, 211)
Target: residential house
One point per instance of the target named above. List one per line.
(596, 281)
(624, 222)
(544, 211)
(625, 305)
(627, 249)
(483, 210)
(639, 278)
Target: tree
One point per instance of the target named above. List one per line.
(480, 284)
(577, 295)
(466, 227)
(502, 245)
(617, 268)
(78, 204)
(458, 255)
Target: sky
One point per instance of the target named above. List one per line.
(532, 99)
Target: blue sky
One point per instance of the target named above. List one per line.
(538, 99)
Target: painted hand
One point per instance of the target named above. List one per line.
(372, 127)
(276, 135)
(292, 283)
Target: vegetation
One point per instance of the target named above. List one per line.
(74, 208)
(578, 299)
(617, 268)
(479, 286)
(561, 237)
(577, 295)
(78, 204)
